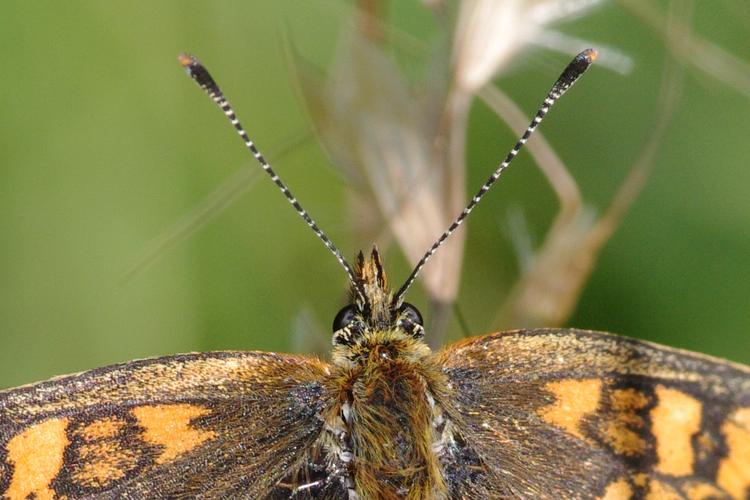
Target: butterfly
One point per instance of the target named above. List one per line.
(543, 413)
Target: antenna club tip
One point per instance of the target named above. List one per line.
(185, 60)
(590, 55)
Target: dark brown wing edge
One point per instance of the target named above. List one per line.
(205, 424)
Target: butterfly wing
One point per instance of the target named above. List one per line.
(224, 424)
(577, 414)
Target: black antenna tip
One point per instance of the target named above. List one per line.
(581, 63)
(590, 55)
(574, 70)
(198, 72)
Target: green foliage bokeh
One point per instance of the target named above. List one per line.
(105, 144)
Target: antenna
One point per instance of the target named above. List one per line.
(572, 72)
(203, 78)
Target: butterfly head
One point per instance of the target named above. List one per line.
(374, 314)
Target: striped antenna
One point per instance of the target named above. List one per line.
(568, 77)
(200, 74)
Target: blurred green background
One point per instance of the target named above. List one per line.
(106, 144)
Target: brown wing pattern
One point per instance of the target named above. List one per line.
(224, 424)
(580, 414)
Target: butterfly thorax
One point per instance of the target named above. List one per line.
(388, 410)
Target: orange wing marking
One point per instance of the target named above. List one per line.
(734, 470)
(169, 426)
(103, 457)
(674, 421)
(618, 490)
(575, 399)
(623, 431)
(37, 457)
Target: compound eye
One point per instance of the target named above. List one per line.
(344, 317)
(410, 313)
